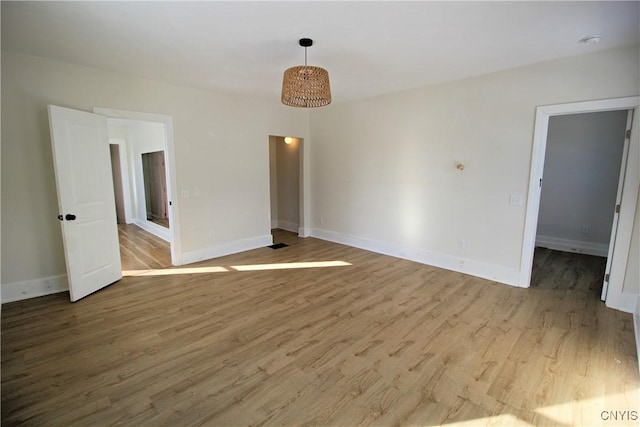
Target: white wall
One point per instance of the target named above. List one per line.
(581, 173)
(221, 158)
(383, 169)
(384, 175)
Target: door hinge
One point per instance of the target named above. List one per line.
(606, 277)
(627, 134)
(617, 208)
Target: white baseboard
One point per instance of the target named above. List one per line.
(227, 248)
(155, 229)
(288, 226)
(50, 285)
(496, 273)
(575, 246)
(26, 289)
(636, 327)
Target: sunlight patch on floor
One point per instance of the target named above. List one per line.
(173, 271)
(289, 265)
(219, 269)
(621, 409)
(506, 420)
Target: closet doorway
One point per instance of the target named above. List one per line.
(285, 183)
(586, 156)
(154, 176)
(624, 210)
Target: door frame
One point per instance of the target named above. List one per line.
(170, 163)
(629, 198)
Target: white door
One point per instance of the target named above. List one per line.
(85, 197)
(616, 214)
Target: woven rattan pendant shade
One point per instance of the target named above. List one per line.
(306, 86)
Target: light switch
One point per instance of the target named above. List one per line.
(515, 200)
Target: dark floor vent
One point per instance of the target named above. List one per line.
(278, 246)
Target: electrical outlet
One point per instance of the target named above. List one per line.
(462, 244)
(211, 233)
(184, 193)
(586, 229)
(321, 220)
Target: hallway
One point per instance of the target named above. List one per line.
(140, 250)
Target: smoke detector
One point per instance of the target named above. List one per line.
(593, 39)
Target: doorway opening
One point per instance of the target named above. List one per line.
(155, 188)
(118, 187)
(620, 227)
(584, 160)
(285, 184)
(139, 249)
(145, 162)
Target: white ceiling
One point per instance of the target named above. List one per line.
(369, 48)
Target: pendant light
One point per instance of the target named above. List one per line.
(306, 86)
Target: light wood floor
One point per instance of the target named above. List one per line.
(140, 250)
(381, 341)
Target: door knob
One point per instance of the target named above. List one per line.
(69, 217)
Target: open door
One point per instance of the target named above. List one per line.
(86, 200)
(616, 214)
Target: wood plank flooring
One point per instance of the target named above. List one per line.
(380, 341)
(140, 250)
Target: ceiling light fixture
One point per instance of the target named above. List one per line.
(288, 140)
(306, 86)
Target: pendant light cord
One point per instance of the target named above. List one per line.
(305, 56)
